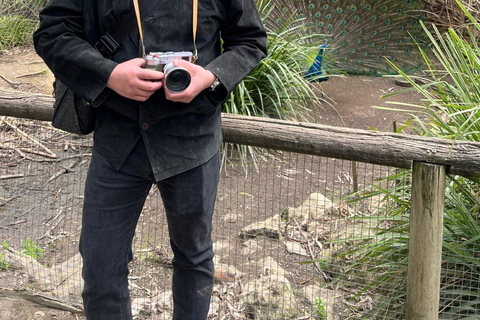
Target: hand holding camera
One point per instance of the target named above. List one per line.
(183, 80)
(131, 80)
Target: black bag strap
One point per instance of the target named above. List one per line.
(109, 43)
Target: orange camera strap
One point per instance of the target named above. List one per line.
(195, 18)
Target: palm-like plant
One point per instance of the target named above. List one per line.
(452, 106)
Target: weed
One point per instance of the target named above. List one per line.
(320, 312)
(32, 249)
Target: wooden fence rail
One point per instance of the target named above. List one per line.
(389, 149)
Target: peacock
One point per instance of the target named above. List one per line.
(357, 36)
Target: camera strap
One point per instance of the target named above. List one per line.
(195, 19)
(109, 43)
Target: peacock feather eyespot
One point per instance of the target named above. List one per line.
(373, 28)
(352, 50)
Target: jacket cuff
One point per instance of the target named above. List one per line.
(228, 69)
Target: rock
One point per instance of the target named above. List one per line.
(296, 248)
(250, 247)
(323, 298)
(225, 272)
(271, 228)
(230, 218)
(271, 296)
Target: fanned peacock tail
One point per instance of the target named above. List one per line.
(357, 36)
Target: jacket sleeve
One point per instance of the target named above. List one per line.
(61, 42)
(244, 45)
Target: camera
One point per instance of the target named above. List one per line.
(177, 79)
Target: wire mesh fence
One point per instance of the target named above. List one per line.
(292, 238)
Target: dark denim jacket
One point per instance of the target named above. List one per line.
(178, 136)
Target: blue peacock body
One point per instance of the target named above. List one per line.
(357, 36)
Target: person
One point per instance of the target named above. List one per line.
(145, 134)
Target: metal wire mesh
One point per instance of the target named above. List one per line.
(292, 239)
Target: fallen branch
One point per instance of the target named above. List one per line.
(41, 299)
(12, 176)
(31, 74)
(14, 85)
(63, 171)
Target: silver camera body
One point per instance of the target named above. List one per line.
(177, 79)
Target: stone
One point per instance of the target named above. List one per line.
(295, 247)
(271, 296)
(323, 298)
(271, 228)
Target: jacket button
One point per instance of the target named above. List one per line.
(145, 126)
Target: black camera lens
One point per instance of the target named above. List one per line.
(176, 79)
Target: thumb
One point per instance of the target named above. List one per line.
(138, 62)
(180, 63)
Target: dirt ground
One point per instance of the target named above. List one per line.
(351, 100)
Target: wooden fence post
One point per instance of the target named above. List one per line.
(425, 244)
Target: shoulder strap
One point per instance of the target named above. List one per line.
(109, 43)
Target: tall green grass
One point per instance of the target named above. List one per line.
(16, 31)
(277, 87)
(451, 106)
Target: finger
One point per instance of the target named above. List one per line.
(147, 74)
(138, 62)
(149, 86)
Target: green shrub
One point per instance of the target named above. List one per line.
(16, 31)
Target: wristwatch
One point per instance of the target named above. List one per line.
(215, 84)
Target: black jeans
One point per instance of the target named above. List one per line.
(113, 202)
